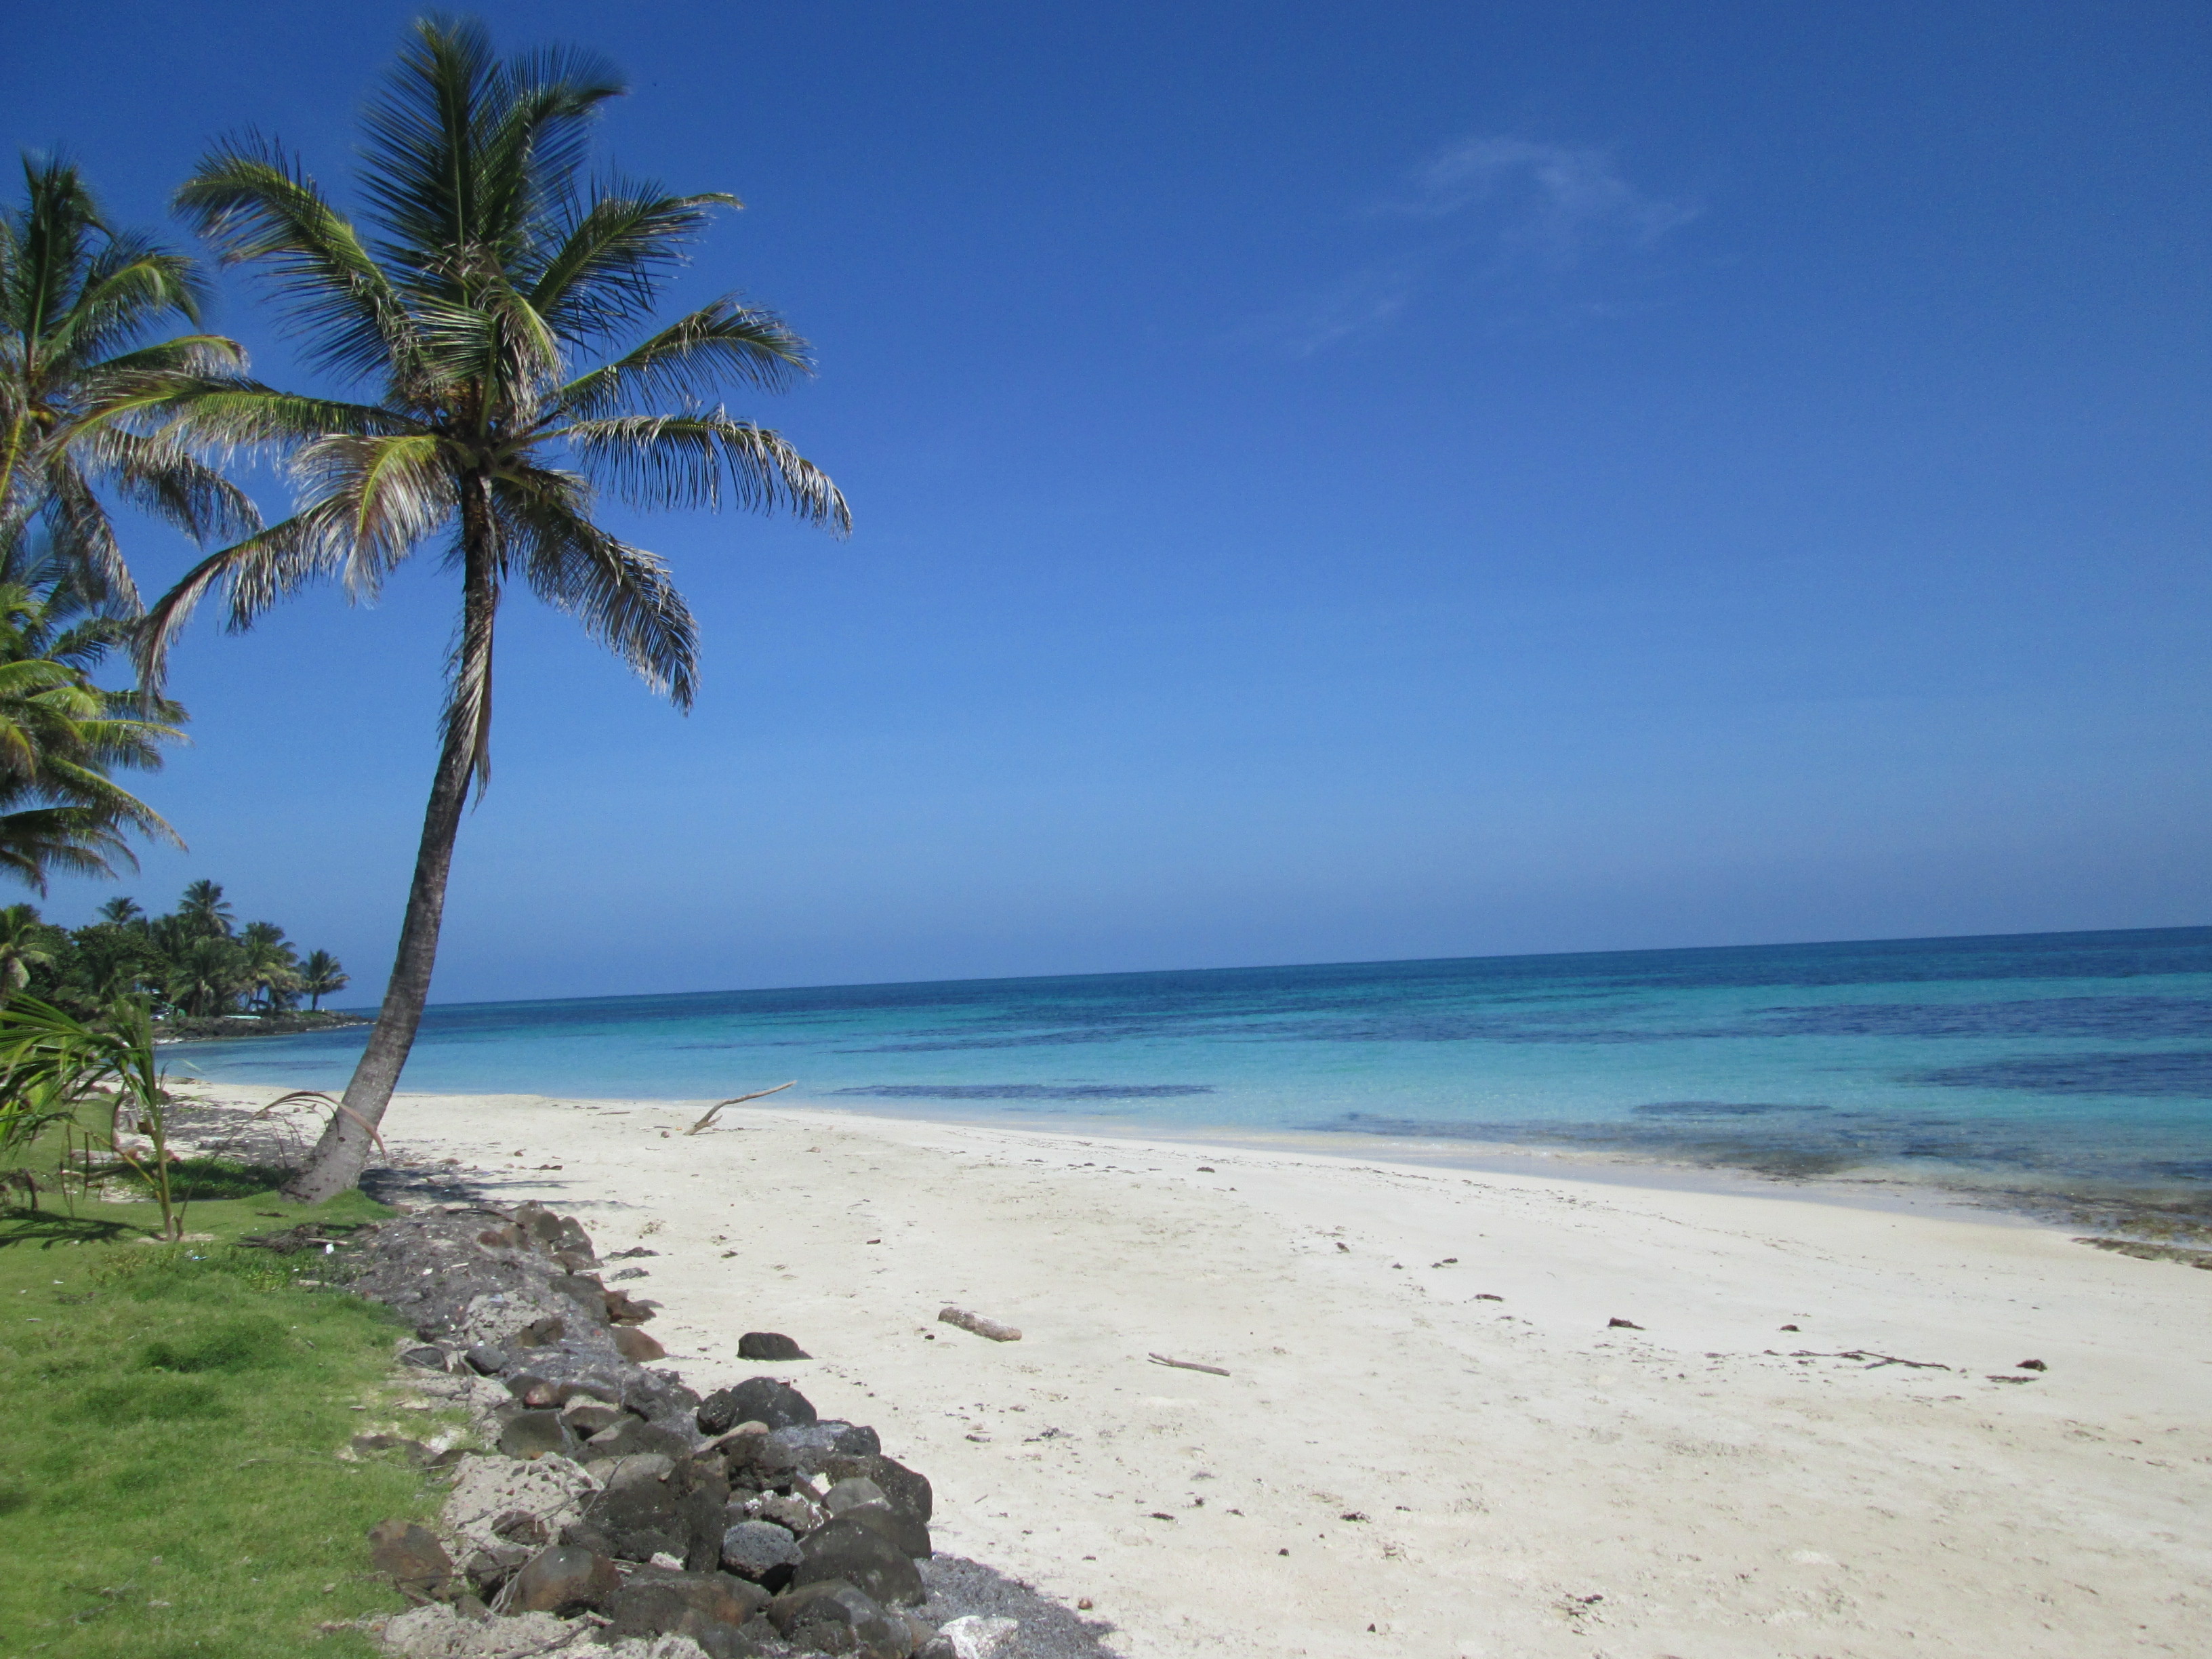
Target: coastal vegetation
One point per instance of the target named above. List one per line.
(189, 969)
(482, 300)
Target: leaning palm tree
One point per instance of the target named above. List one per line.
(492, 271)
(87, 402)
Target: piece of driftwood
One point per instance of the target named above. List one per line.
(975, 1323)
(740, 1100)
(1186, 1365)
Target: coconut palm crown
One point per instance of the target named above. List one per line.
(488, 302)
(87, 402)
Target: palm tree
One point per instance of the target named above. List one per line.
(272, 965)
(204, 909)
(492, 268)
(321, 974)
(122, 912)
(86, 401)
(206, 974)
(61, 736)
(26, 943)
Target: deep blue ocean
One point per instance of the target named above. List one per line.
(2056, 1061)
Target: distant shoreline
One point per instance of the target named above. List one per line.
(225, 1028)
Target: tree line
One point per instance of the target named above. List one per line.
(195, 962)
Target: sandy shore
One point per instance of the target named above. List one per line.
(1397, 1464)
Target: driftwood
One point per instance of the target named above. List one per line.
(1186, 1365)
(740, 1100)
(975, 1323)
(1879, 1359)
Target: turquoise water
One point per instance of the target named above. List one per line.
(2041, 1059)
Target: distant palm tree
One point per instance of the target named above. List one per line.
(321, 974)
(204, 909)
(61, 736)
(86, 401)
(272, 965)
(122, 912)
(207, 974)
(492, 265)
(26, 943)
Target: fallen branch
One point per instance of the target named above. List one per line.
(981, 1326)
(1880, 1359)
(1186, 1365)
(740, 1100)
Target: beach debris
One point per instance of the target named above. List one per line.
(1186, 1365)
(769, 1345)
(1206, 1168)
(1995, 1378)
(1346, 1247)
(1786, 1327)
(976, 1323)
(1487, 1296)
(2029, 1365)
(1622, 1325)
(1876, 1361)
(738, 1100)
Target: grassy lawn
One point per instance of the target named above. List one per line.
(168, 1482)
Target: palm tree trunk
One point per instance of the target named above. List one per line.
(342, 1152)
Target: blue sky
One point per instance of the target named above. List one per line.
(1334, 482)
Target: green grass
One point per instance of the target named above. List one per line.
(169, 1478)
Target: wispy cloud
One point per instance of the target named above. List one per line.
(1555, 202)
(1491, 209)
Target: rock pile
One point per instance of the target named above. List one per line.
(621, 1507)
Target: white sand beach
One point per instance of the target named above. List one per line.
(1396, 1463)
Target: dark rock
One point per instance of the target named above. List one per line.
(900, 1530)
(532, 1390)
(540, 1332)
(587, 1416)
(428, 1359)
(834, 1617)
(489, 1566)
(1622, 1325)
(411, 1555)
(851, 1550)
(769, 1345)
(521, 1527)
(503, 1239)
(555, 1235)
(564, 1579)
(635, 1345)
(536, 1434)
(2031, 1365)
(622, 1308)
(758, 1549)
(711, 1608)
(576, 1261)
(628, 1436)
(851, 1492)
(486, 1359)
(755, 1400)
(586, 1292)
(854, 1440)
(644, 1513)
(903, 1488)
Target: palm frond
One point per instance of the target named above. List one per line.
(690, 359)
(612, 255)
(699, 457)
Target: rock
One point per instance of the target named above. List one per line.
(711, 1608)
(586, 1292)
(564, 1579)
(852, 1491)
(532, 1390)
(2031, 1365)
(901, 1531)
(905, 1489)
(640, 1515)
(755, 1549)
(531, 1434)
(755, 1400)
(623, 1309)
(409, 1554)
(839, 1618)
(1622, 1325)
(427, 1359)
(769, 1345)
(972, 1637)
(589, 1387)
(635, 1345)
(540, 1332)
(792, 1511)
(627, 1436)
(587, 1417)
(487, 1360)
(851, 1550)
